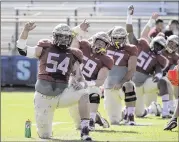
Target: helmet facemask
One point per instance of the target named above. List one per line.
(157, 48)
(118, 41)
(61, 40)
(100, 46)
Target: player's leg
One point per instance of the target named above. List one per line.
(130, 100)
(151, 91)
(173, 121)
(140, 110)
(164, 92)
(44, 112)
(113, 105)
(71, 97)
(75, 115)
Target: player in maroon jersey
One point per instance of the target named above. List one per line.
(57, 61)
(150, 66)
(118, 80)
(95, 67)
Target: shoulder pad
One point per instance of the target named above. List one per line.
(44, 43)
(84, 43)
(132, 49)
(78, 54)
(108, 61)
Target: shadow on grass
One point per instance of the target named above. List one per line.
(114, 131)
(59, 140)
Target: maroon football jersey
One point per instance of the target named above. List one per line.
(55, 64)
(122, 55)
(92, 63)
(172, 59)
(147, 60)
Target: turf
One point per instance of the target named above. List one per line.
(17, 107)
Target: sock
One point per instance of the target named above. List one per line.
(93, 116)
(171, 105)
(84, 123)
(131, 110)
(165, 101)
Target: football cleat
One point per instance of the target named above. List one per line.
(131, 119)
(91, 125)
(171, 124)
(101, 121)
(167, 116)
(85, 134)
(156, 108)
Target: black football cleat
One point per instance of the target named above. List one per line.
(171, 124)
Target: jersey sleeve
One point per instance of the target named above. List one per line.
(108, 62)
(78, 54)
(44, 43)
(143, 43)
(133, 51)
(163, 61)
(84, 44)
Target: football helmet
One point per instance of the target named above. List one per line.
(157, 44)
(119, 37)
(172, 43)
(100, 41)
(62, 36)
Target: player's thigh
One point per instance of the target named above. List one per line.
(70, 96)
(150, 86)
(112, 96)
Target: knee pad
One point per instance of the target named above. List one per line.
(129, 90)
(94, 98)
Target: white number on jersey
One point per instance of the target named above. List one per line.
(119, 55)
(90, 66)
(63, 66)
(143, 60)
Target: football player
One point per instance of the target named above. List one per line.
(118, 80)
(172, 56)
(173, 77)
(150, 66)
(52, 90)
(95, 67)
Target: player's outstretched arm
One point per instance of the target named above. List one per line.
(148, 26)
(132, 63)
(129, 27)
(24, 50)
(102, 75)
(77, 79)
(79, 33)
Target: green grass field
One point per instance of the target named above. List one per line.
(18, 107)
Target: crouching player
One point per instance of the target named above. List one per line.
(56, 62)
(95, 67)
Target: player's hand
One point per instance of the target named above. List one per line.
(155, 79)
(130, 10)
(117, 86)
(29, 26)
(155, 16)
(77, 86)
(84, 25)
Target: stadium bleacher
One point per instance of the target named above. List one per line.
(48, 14)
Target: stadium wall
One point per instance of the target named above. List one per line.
(18, 70)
